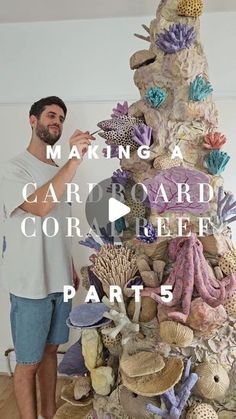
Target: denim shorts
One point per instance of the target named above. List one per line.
(36, 322)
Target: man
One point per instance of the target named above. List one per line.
(35, 269)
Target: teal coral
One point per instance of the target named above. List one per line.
(200, 88)
(156, 96)
(217, 161)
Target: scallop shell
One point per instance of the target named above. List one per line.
(227, 262)
(157, 383)
(142, 363)
(67, 394)
(230, 305)
(191, 8)
(213, 381)
(176, 334)
(201, 411)
(67, 411)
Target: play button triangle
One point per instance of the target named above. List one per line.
(117, 210)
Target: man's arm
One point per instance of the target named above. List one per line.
(65, 175)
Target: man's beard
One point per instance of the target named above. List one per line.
(44, 134)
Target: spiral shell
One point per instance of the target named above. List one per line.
(191, 8)
(213, 381)
(201, 411)
(176, 334)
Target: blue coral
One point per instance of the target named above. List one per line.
(179, 36)
(155, 96)
(148, 234)
(216, 162)
(200, 88)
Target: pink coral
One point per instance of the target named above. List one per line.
(205, 319)
(171, 180)
(214, 141)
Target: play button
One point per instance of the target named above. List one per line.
(117, 210)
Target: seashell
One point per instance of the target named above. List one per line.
(156, 96)
(148, 309)
(135, 406)
(143, 57)
(157, 383)
(230, 305)
(166, 162)
(214, 244)
(179, 36)
(150, 278)
(82, 387)
(214, 141)
(142, 363)
(201, 411)
(213, 381)
(67, 394)
(68, 411)
(199, 89)
(191, 8)
(216, 162)
(103, 379)
(176, 334)
(204, 319)
(227, 262)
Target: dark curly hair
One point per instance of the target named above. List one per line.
(38, 107)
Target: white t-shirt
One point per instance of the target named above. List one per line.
(32, 267)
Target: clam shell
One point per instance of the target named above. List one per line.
(213, 381)
(142, 363)
(67, 394)
(157, 383)
(140, 58)
(201, 411)
(68, 411)
(176, 334)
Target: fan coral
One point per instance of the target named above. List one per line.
(120, 110)
(200, 88)
(142, 134)
(155, 96)
(214, 141)
(226, 209)
(216, 162)
(178, 37)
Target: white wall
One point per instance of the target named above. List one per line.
(86, 63)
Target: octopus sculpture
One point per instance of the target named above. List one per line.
(191, 273)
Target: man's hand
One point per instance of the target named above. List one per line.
(75, 280)
(81, 140)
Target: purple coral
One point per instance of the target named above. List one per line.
(120, 176)
(142, 134)
(112, 151)
(226, 209)
(166, 183)
(90, 242)
(179, 36)
(176, 401)
(148, 234)
(120, 110)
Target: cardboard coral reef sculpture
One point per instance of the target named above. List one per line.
(172, 353)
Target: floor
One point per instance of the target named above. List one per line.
(8, 409)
